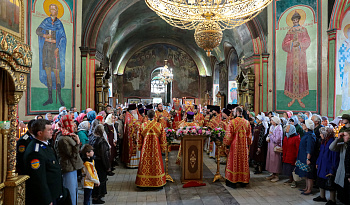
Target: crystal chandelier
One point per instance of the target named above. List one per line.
(225, 14)
(165, 74)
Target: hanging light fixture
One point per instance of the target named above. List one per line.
(166, 75)
(198, 14)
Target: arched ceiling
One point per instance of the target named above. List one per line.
(118, 28)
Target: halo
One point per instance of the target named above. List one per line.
(302, 19)
(346, 28)
(47, 4)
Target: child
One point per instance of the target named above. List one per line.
(89, 171)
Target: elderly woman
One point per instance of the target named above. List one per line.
(83, 131)
(290, 152)
(273, 158)
(302, 118)
(326, 165)
(306, 157)
(102, 153)
(257, 152)
(294, 121)
(112, 136)
(338, 145)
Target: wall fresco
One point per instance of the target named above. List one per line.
(342, 104)
(296, 74)
(137, 74)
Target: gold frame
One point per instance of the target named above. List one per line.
(19, 36)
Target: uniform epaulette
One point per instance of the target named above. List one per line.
(37, 145)
(26, 136)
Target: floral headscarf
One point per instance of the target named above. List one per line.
(284, 120)
(80, 117)
(84, 126)
(66, 125)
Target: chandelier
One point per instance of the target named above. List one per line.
(191, 14)
(165, 74)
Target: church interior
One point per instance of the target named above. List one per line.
(288, 55)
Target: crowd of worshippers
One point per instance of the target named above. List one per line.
(60, 151)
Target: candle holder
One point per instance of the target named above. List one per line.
(167, 176)
(218, 175)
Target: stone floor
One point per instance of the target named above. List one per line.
(122, 190)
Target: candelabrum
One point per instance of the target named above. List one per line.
(167, 176)
(218, 175)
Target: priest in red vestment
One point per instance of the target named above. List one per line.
(238, 137)
(151, 141)
(162, 116)
(214, 122)
(189, 123)
(198, 117)
(223, 125)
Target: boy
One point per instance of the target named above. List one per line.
(90, 173)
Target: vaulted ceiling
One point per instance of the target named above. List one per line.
(118, 28)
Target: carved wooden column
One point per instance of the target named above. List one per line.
(99, 90)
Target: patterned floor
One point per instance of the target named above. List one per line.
(122, 190)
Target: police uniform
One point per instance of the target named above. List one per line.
(45, 183)
(22, 144)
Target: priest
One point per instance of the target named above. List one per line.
(190, 122)
(214, 122)
(223, 125)
(198, 117)
(162, 116)
(131, 153)
(151, 141)
(238, 137)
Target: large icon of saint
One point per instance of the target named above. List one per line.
(344, 69)
(295, 43)
(52, 51)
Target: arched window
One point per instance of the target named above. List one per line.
(157, 86)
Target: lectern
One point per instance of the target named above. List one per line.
(192, 158)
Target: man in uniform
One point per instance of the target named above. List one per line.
(45, 184)
(21, 146)
(162, 116)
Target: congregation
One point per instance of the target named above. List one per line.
(58, 152)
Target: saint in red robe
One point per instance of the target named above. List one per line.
(295, 43)
(238, 136)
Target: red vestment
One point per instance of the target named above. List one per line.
(152, 138)
(296, 81)
(160, 117)
(130, 155)
(199, 118)
(238, 136)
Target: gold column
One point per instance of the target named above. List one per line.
(218, 175)
(167, 176)
(13, 99)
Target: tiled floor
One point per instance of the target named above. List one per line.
(122, 190)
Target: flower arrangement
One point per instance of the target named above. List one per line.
(192, 130)
(218, 134)
(170, 134)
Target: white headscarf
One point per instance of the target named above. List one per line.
(310, 124)
(276, 120)
(109, 122)
(84, 126)
(264, 121)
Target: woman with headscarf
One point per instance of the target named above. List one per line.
(294, 121)
(91, 116)
(81, 117)
(48, 116)
(257, 151)
(102, 155)
(273, 159)
(326, 165)
(290, 152)
(83, 131)
(67, 147)
(112, 136)
(306, 156)
(302, 118)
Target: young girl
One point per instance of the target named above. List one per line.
(89, 171)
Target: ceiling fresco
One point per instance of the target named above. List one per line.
(128, 25)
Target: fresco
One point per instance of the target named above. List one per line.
(296, 75)
(137, 74)
(343, 68)
(232, 74)
(216, 82)
(10, 15)
(51, 43)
